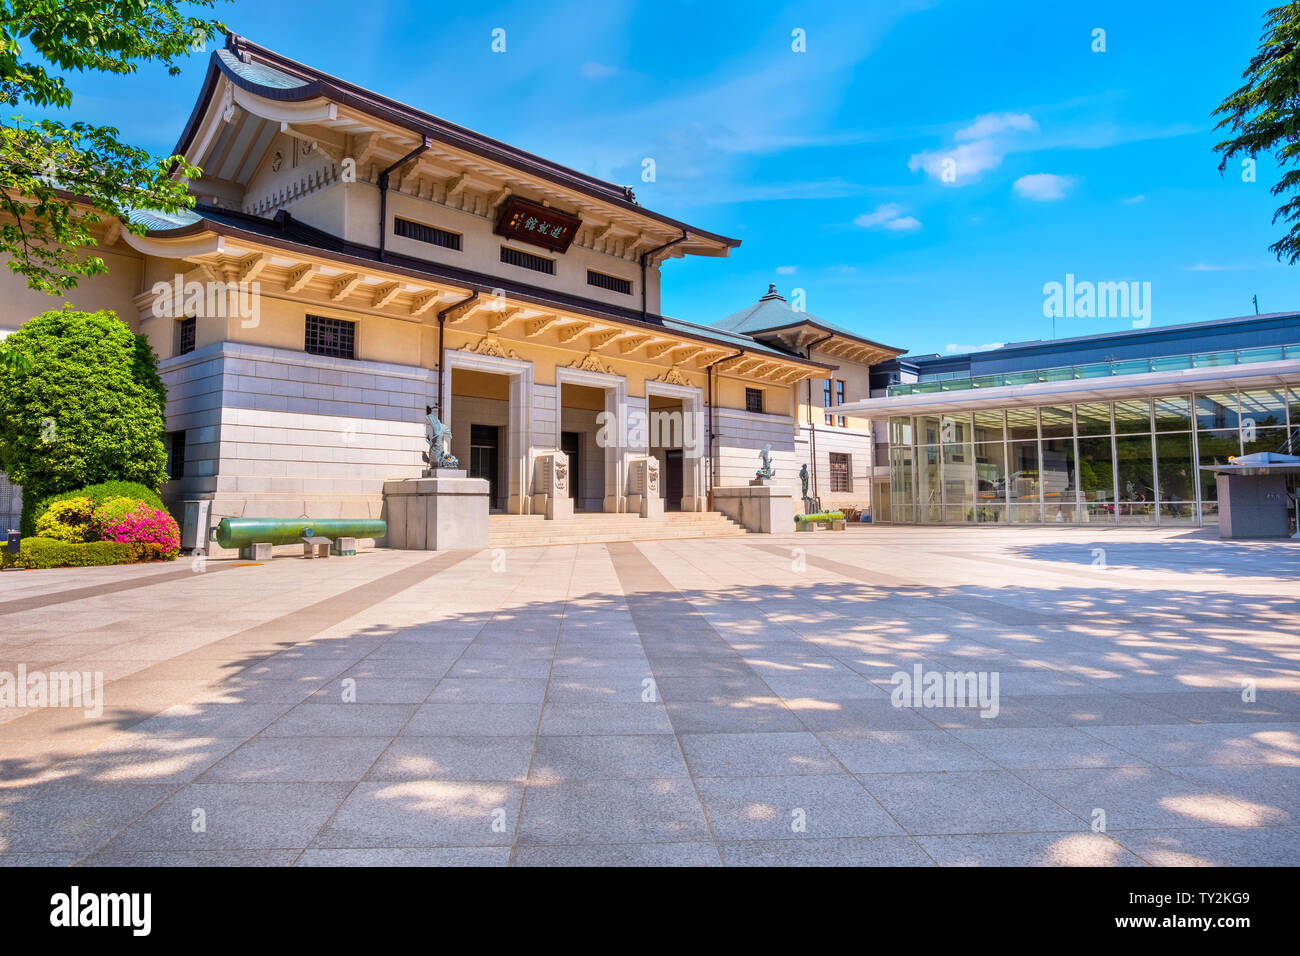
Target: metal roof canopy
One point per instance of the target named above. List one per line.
(1153, 384)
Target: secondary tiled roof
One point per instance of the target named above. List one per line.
(772, 312)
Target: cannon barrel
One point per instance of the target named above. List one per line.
(242, 532)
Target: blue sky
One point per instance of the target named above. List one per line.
(828, 163)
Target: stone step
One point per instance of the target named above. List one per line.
(597, 528)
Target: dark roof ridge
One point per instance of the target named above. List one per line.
(318, 83)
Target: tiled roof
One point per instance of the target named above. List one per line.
(284, 228)
(773, 312)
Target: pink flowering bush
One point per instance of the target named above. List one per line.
(152, 529)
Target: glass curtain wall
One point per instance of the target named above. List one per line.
(1132, 461)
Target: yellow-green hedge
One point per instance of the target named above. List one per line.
(48, 553)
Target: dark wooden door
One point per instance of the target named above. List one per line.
(571, 445)
(484, 441)
(673, 479)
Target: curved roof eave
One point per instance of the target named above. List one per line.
(204, 225)
(317, 84)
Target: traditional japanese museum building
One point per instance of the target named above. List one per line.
(352, 263)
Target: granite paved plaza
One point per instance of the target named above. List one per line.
(702, 702)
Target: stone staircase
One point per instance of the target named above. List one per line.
(505, 531)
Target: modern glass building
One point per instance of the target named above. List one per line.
(1091, 435)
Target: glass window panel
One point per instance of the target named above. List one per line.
(1137, 512)
(990, 513)
(1060, 513)
(991, 472)
(957, 514)
(901, 479)
(1169, 363)
(1096, 470)
(1262, 439)
(1133, 465)
(1216, 411)
(900, 431)
(1022, 423)
(1176, 478)
(954, 429)
(1098, 512)
(1293, 403)
(1025, 513)
(1023, 482)
(1057, 422)
(927, 430)
(929, 497)
(990, 426)
(1058, 481)
(1173, 414)
(1215, 448)
(1263, 408)
(958, 475)
(1094, 418)
(1132, 415)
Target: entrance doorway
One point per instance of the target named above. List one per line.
(484, 449)
(672, 479)
(571, 445)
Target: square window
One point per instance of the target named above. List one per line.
(840, 470)
(754, 400)
(185, 330)
(175, 455)
(333, 337)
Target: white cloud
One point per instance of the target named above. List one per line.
(785, 270)
(1140, 197)
(597, 71)
(888, 216)
(977, 148)
(1042, 187)
(991, 123)
(963, 349)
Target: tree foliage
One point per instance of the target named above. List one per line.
(1264, 115)
(46, 166)
(89, 407)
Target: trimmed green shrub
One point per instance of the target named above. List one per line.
(822, 516)
(67, 520)
(103, 492)
(87, 408)
(48, 553)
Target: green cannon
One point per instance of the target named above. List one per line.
(244, 533)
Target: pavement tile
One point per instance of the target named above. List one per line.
(757, 754)
(454, 758)
(423, 813)
(819, 806)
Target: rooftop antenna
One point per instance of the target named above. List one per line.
(1255, 299)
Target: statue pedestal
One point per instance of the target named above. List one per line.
(442, 512)
(551, 472)
(762, 506)
(643, 487)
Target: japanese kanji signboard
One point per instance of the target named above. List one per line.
(540, 225)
